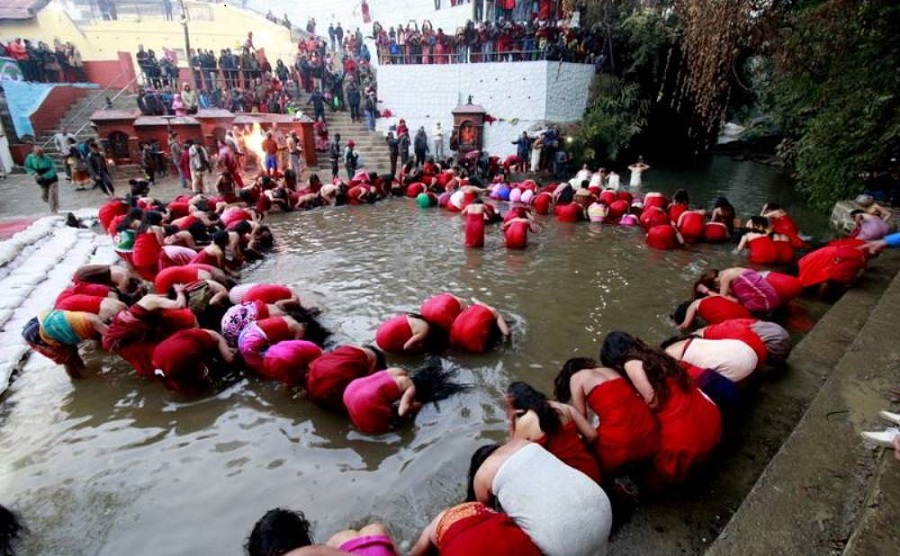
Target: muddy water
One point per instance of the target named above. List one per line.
(115, 465)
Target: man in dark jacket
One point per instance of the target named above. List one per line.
(353, 100)
(420, 146)
(394, 147)
(318, 102)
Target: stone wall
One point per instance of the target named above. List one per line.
(520, 95)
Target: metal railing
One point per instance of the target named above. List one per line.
(468, 55)
(92, 105)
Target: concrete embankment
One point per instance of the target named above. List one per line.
(824, 491)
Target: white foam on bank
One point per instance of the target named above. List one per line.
(39, 262)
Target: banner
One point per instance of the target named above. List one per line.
(9, 70)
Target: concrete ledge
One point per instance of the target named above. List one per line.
(823, 485)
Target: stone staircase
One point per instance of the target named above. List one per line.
(824, 491)
(79, 117)
(371, 146)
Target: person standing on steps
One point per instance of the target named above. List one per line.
(403, 144)
(394, 147)
(351, 159)
(43, 169)
(353, 100)
(339, 36)
(96, 162)
(200, 166)
(175, 150)
(437, 136)
(318, 102)
(371, 111)
(420, 146)
(294, 151)
(334, 154)
(331, 36)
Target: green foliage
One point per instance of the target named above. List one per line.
(835, 91)
(616, 116)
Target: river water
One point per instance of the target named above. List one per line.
(116, 465)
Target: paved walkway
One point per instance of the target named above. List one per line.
(20, 196)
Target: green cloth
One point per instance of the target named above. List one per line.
(43, 166)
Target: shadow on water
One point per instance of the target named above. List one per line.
(113, 461)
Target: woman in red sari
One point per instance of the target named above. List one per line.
(559, 428)
(690, 423)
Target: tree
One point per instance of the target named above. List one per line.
(835, 91)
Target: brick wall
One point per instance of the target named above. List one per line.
(55, 106)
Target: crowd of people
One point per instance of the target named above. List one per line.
(500, 41)
(39, 62)
(248, 82)
(660, 411)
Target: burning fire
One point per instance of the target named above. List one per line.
(253, 140)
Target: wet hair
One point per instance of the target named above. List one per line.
(707, 279)
(380, 362)
(758, 223)
(199, 232)
(854, 212)
(562, 390)
(314, 179)
(478, 459)
(133, 216)
(264, 237)
(680, 312)
(620, 347)
(171, 229)
(434, 383)
(522, 396)
(290, 178)
(150, 218)
(681, 196)
(278, 532)
(220, 238)
(10, 529)
(242, 227)
(315, 332)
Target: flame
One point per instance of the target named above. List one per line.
(253, 142)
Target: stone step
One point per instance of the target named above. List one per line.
(823, 492)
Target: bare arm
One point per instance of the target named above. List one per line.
(501, 324)
(220, 294)
(578, 398)
(690, 315)
(635, 371)
(425, 546)
(415, 340)
(742, 244)
(585, 429)
(225, 352)
(407, 401)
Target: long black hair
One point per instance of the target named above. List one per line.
(522, 396)
(680, 312)
(380, 361)
(434, 383)
(133, 216)
(562, 390)
(150, 218)
(620, 347)
(10, 529)
(279, 532)
(315, 332)
(478, 458)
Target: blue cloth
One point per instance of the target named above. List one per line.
(56, 326)
(271, 162)
(893, 240)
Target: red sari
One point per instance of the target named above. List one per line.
(473, 529)
(568, 446)
(627, 431)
